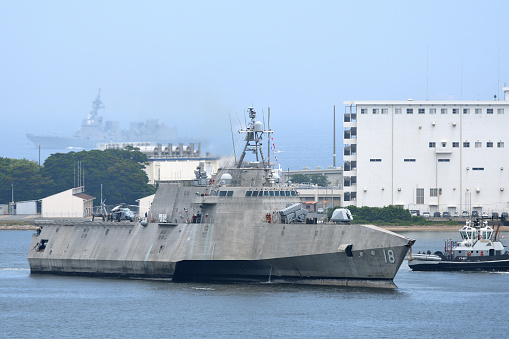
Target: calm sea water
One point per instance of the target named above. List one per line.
(426, 304)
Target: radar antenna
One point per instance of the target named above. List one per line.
(254, 133)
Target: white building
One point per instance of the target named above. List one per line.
(427, 155)
(72, 203)
(178, 169)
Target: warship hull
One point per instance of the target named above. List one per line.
(319, 254)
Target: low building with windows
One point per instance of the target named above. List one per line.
(434, 156)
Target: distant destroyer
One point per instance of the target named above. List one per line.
(241, 224)
(94, 131)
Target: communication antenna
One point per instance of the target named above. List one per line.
(233, 142)
(427, 77)
(334, 140)
(498, 83)
(268, 136)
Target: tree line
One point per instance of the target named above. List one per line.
(121, 173)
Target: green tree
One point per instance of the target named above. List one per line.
(299, 178)
(319, 180)
(119, 171)
(24, 177)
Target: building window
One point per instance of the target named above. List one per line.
(478, 144)
(455, 111)
(364, 110)
(478, 110)
(443, 110)
(466, 144)
(375, 110)
(409, 160)
(500, 144)
(409, 111)
(421, 110)
(432, 111)
(500, 111)
(385, 111)
(444, 144)
(489, 111)
(433, 192)
(397, 110)
(489, 144)
(466, 110)
(432, 144)
(375, 160)
(444, 160)
(455, 144)
(477, 168)
(419, 196)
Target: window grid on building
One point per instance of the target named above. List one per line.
(397, 110)
(433, 192)
(364, 110)
(443, 110)
(489, 111)
(409, 160)
(421, 111)
(478, 110)
(409, 111)
(385, 110)
(466, 144)
(500, 144)
(419, 196)
(375, 110)
(455, 144)
(455, 110)
(489, 144)
(432, 111)
(500, 111)
(466, 110)
(375, 160)
(444, 160)
(432, 144)
(478, 144)
(477, 168)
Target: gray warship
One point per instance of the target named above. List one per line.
(240, 224)
(95, 131)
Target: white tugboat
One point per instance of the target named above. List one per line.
(480, 250)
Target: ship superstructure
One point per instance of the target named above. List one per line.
(241, 224)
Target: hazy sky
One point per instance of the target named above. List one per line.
(192, 63)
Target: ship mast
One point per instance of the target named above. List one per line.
(254, 134)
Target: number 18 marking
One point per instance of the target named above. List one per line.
(389, 256)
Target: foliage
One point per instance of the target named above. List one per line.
(316, 179)
(388, 215)
(24, 177)
(119, 171)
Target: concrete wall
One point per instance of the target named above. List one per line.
(26, 207)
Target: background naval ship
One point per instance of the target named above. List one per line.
(241, 224)
(94, 131)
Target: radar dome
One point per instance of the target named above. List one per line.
(226, 179)
(258, 126)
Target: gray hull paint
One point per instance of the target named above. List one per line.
(270, 252)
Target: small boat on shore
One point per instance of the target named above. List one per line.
(481, 249)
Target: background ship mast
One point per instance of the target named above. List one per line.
(253, 139)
